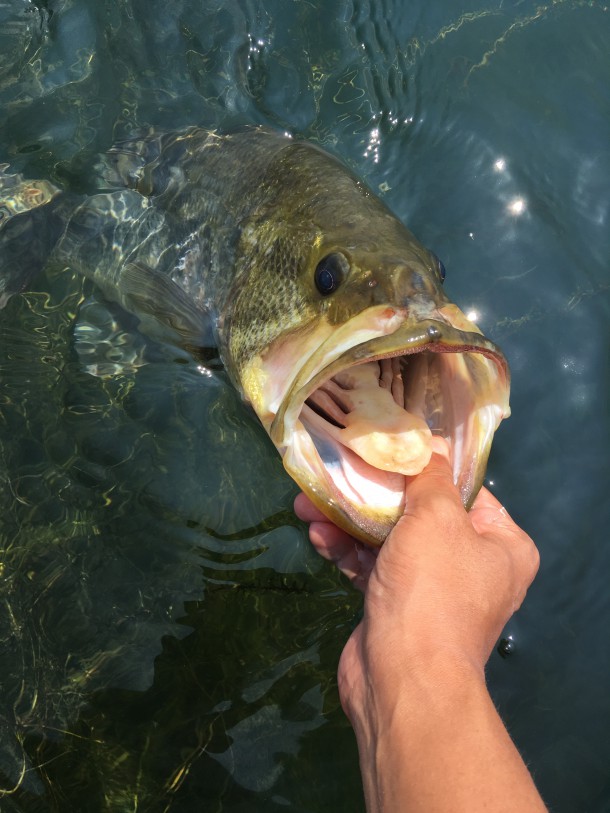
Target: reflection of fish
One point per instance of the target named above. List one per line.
(328, 314)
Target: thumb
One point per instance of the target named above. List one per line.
(435, 481)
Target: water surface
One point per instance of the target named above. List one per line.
(168, 639)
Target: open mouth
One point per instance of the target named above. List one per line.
(378, 411)
(372, 424)
(364, 422)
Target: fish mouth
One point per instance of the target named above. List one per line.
(356, 421)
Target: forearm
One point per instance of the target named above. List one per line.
(437, 744)
(411, 678)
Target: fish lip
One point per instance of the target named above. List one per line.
(433, 334)
(469, 424)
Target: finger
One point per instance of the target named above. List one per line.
(488, 513)
(441, 447)
(306, 510)
(330, 541)
(491, 520)
(353, 559)
(434, 483)
(486, 499)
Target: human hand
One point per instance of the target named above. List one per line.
(444, 583)
(411, 676)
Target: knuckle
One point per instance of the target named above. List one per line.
(534, 557)
(530, 560)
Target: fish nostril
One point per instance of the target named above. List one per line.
(409, 287)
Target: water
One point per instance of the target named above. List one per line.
(168, 639)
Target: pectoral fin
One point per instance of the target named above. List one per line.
(155, 298)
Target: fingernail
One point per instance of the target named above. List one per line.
(441, 447)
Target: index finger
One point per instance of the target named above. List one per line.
(306, 510)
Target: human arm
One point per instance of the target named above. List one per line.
(411, 677)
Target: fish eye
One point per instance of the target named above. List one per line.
(440, 269)
(330, 273)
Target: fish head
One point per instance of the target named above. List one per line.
(341, 336)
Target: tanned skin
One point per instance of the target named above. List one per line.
(411, 677)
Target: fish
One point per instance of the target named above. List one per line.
(328, 315)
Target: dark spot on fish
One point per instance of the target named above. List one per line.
(434, 333)
(330, 273)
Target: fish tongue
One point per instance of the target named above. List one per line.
(370, 422)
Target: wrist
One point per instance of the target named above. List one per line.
(399, 723)
(405, 683)
(418, 654)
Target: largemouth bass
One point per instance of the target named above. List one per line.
(328, 315)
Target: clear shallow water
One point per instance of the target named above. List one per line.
(168, 639)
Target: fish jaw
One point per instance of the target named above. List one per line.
(268, 378)
(454, 378)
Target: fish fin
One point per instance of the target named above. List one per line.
(152, 295)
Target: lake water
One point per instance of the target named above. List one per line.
(168, 640)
